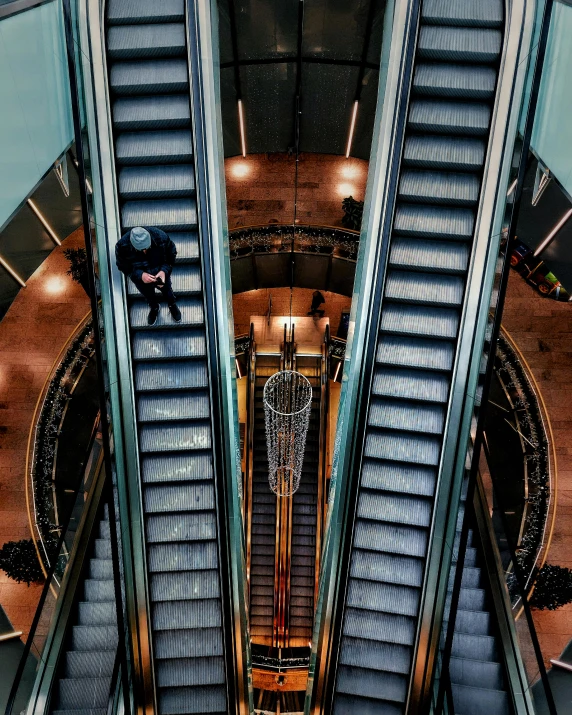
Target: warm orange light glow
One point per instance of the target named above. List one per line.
(350, 171)
(241, 123)
(55, 285)
(352, 127)
(346, 190)
(240, 169)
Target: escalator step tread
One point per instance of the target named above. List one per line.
(175, 437)
(127, 42)
(192, 556)
(169, 111)
(408, 509)
(79, 693)
(365, 653)
(434, 222)
(380, 627)
(95, 590)
(384, 597)
(189, 343)
(391, 538)
(396, 414)
(188, 643)
(155, 147)
(193, 701)
(473, 622)
(191, 312)
(85, 664)
(93, 638)
(372, 684)
(177, 375)
(403, 447)
(438, 152)
(473, 701)
(444, 80)
(182, 615)
(197, 526)
(168, 406)
(387, 568)
(121, 12)
(459, 44)
(474, 13)
(424, 288)
(156, 182)
(427, 255)
(438, 187)
(97, 613)
(420, 321)
(190, 672)
(184, 585)
(345, 704)
(415, 352)
(167, 214)
(467, 645)
(485, 674)
(449, 117)
(149, 76)
(405, 384)
(407, 479)
(176, 467)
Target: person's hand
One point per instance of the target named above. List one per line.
(160, 277)
(148, 278)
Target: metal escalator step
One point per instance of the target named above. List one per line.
(470, 557)
(390, 538)
(379, 627)
(175, 615)
(403, 447)
(394, 414)
(449, 153)
(190, 671)
(149, 77)
(421, 321)
(440, 80)
(364, 653)
(185, 279)
(101, 569)
(156, 182)
(97, 613)
(371, 684)
(120, 12)
(402, 478)
(434, 222)
(420, 254)
(174, 437)
(352, 704)
(407, 384)
(388, 568)
(459, 44)
(82, 693)
(173, 146)
(165, 406)
(172, 344)
(389, 598)
(95, 638)
(176, 467)
(98, 591)
(470, 13)
(439, 187)
(474, 622)
(103, 549)
(169, 111)
(195, 643)
(178, 375)
(184, 585)
(163, 528)
(193, 701)
(83, 664)
(187, 243)
(185, 496)
(449, 117)
(82, 711)
(487, 674)
(415, 352)
(167, 214)
(128, 42)
(424, 288)
(192, 556)
(394, 509)
(471, 577)
(466, 645)
(473, 701)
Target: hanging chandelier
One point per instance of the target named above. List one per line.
(287, 405)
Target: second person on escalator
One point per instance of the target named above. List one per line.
(147, 256)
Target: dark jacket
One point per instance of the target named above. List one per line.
(160, 256)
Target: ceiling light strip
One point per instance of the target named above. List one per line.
(241, 124)
(12, 272)
(352, 127)
(553, 233)
(44, 223)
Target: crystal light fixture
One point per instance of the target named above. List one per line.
(287, 405)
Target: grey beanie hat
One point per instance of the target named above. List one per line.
(140, 238)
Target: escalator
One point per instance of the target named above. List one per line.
(452, 94)
(148, 73)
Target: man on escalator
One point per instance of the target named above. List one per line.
(147, 257)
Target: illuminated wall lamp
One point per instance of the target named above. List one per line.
(44, 223)
(352, 127)
(241, 124)
(553, 233)
(12, 272)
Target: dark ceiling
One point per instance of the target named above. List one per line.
(325, 51)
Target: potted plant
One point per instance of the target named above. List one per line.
(78, 269)
(19, 560)
(353, 211)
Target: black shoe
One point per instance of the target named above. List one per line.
(153, 315)
(175, 313)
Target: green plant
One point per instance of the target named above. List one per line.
(353, 211)
(78, 269)
(553, 588)
(19, 560)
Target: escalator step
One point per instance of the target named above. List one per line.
(96, 613)
(172, 344)
(191, 311)
(128, 42)
(425, 255)
(415, 352)
(184, 585)
(190, 671)
(438, 187)
(471, 13)
(424, 288)
(169, 111)
(407, 384)
(459, 44)
(175, 615)
(166, 406)
(389, 598)
(387, 568)
(194, 701)
(170, 468)
(156, 182)
(466, 672)
(420, 321)
(434, 222)
(187, 243)
(390, 538)
(372, 684)
(98, 591)
(185, 527)
(379, 627)
(80, 693)
(195, 643)
(350, 704)
(439, 80)
(121, 12)
(179, 375)
(398, 478)
(167, 214)
(473, 622)
(101, 569)
(450, 153)
(154, 147)
(449, 117)
(366, 653)
(149, 77)
(473, 701)
(403, 447)
(394, 508)
(191, 556)
(171, 499)
(83, 664)
(466, 645)
(94, 638)
(394, 414)
(102, 549)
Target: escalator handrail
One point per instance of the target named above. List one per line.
(249, 439)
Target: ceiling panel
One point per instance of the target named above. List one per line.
(266, 28)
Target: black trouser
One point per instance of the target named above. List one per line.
(147, 290)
